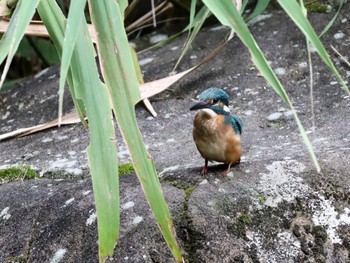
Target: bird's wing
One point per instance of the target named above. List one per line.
(237, 123)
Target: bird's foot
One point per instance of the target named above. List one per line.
(227, 170)
(204, 170)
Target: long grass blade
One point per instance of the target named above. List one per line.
(197, 25)
(331, 22)
(259, 8)
(73, 26)
(244, 5)
(57, 35)
(139, 75)
(227, 14)
(192, 13)
(121, 80)
(10, 41)
(123, 5)
(188, 28)
(293, 9)
(102, 152)
(312, 105)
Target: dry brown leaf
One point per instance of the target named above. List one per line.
(147, 90)
(238, 4)
(149, 107)
(341, 56)
(152, 88)
(70, 118)
(37, 28)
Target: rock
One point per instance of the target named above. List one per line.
(274, 207)
(339, 35)
(288, 113)
(248, 113)
(276, 213)
(280, 71)
(55, 219)
(274, 116)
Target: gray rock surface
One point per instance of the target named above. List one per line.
(57, 218)
(273, 207)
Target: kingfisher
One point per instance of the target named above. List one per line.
(217, 132)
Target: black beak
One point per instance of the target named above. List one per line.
(200, 105)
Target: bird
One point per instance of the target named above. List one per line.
(216, 132)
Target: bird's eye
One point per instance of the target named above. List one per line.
(215, 100)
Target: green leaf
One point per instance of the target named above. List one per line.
(10, 41)
(102, 152)
(259, 8)
(195, 21)
(73, 27)
(56, 32)
(192, 13)
(294, 11)
(227, 14)
(331, 22)
(244, 5)
(197, 25)
(120, 77)
(123, 5)
(136, 66)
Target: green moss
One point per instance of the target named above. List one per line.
(320, 234)
(319, 230)
(189, 246)
(181, 184)
(189, 190)
(237, 228)
(262, 199)
(174, 183)
(239, 225)
(16, 260)
(318, 7)
(126, 168)
(245, 219)
(16, 173)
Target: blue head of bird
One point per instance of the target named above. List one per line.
(213, 98)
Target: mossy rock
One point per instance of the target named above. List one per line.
(17, 173)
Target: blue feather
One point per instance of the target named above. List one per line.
(237, 124)
(234, 120)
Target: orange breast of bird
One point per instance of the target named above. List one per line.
(215, 140)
